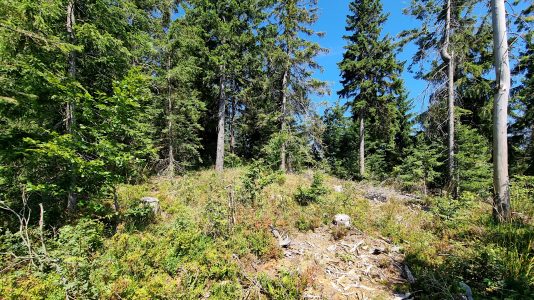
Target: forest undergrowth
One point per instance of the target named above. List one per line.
(212, 229)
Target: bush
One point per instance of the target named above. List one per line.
(448, 208)
(256, 178)
(217, 219)
(522, 194)
(313, 194)
(307, 223)
(286, 285)
(138, 216)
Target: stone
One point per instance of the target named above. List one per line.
(338, 188)
(376, 197)
(152, 202)
(378, 250)
(342, 219)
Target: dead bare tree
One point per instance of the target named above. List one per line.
(501, 199)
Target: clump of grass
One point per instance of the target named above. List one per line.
(339, 232)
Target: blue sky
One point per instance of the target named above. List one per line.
(332, 15)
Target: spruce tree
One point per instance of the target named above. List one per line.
(227, 28)
(180, 109)
(369, 73)
(474, 156)
(340, 142)
(293, 61)
(420, 168)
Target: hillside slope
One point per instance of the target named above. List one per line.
(211, 239)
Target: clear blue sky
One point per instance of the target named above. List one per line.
(332, 15)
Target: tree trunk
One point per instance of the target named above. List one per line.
(501, 204)
(219, 161)
(72, 201)
(448, 58)
(362, 145)
(232, 126)
(283, 154)
(170, 167)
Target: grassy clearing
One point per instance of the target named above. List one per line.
(194, 249)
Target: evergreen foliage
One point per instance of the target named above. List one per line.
(370, 79)
(105, 101)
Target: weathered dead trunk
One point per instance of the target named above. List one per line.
(72, 201)
(283, 154)
(219, 160)
(362, 145)
(501, 204)
(448, 58)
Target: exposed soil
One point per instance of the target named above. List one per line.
(355, 266)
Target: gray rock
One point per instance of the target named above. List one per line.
(152, 202)
(376, 196)
(338, 188)
(342, 219)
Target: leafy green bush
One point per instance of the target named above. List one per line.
(231, 160)
(306, 223)
(217, 219)
(447, 207)
(75, 246)
(262, 244)
(138, 216)
(305, 196)
(286, 285)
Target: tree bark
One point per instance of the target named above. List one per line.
(219, 160)
(362, 145)
(72, 201)
(501, 204)
(232, 126)
(170, 167)
(448, 58)
(283, 154)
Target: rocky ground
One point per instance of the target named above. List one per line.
(355, 266)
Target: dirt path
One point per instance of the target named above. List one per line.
(354, 267)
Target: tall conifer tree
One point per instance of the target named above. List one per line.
(293, 58)
(369, 72)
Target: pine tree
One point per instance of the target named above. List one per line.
(227, 29)
(369, 73)
(420, 168)
(293, 61)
